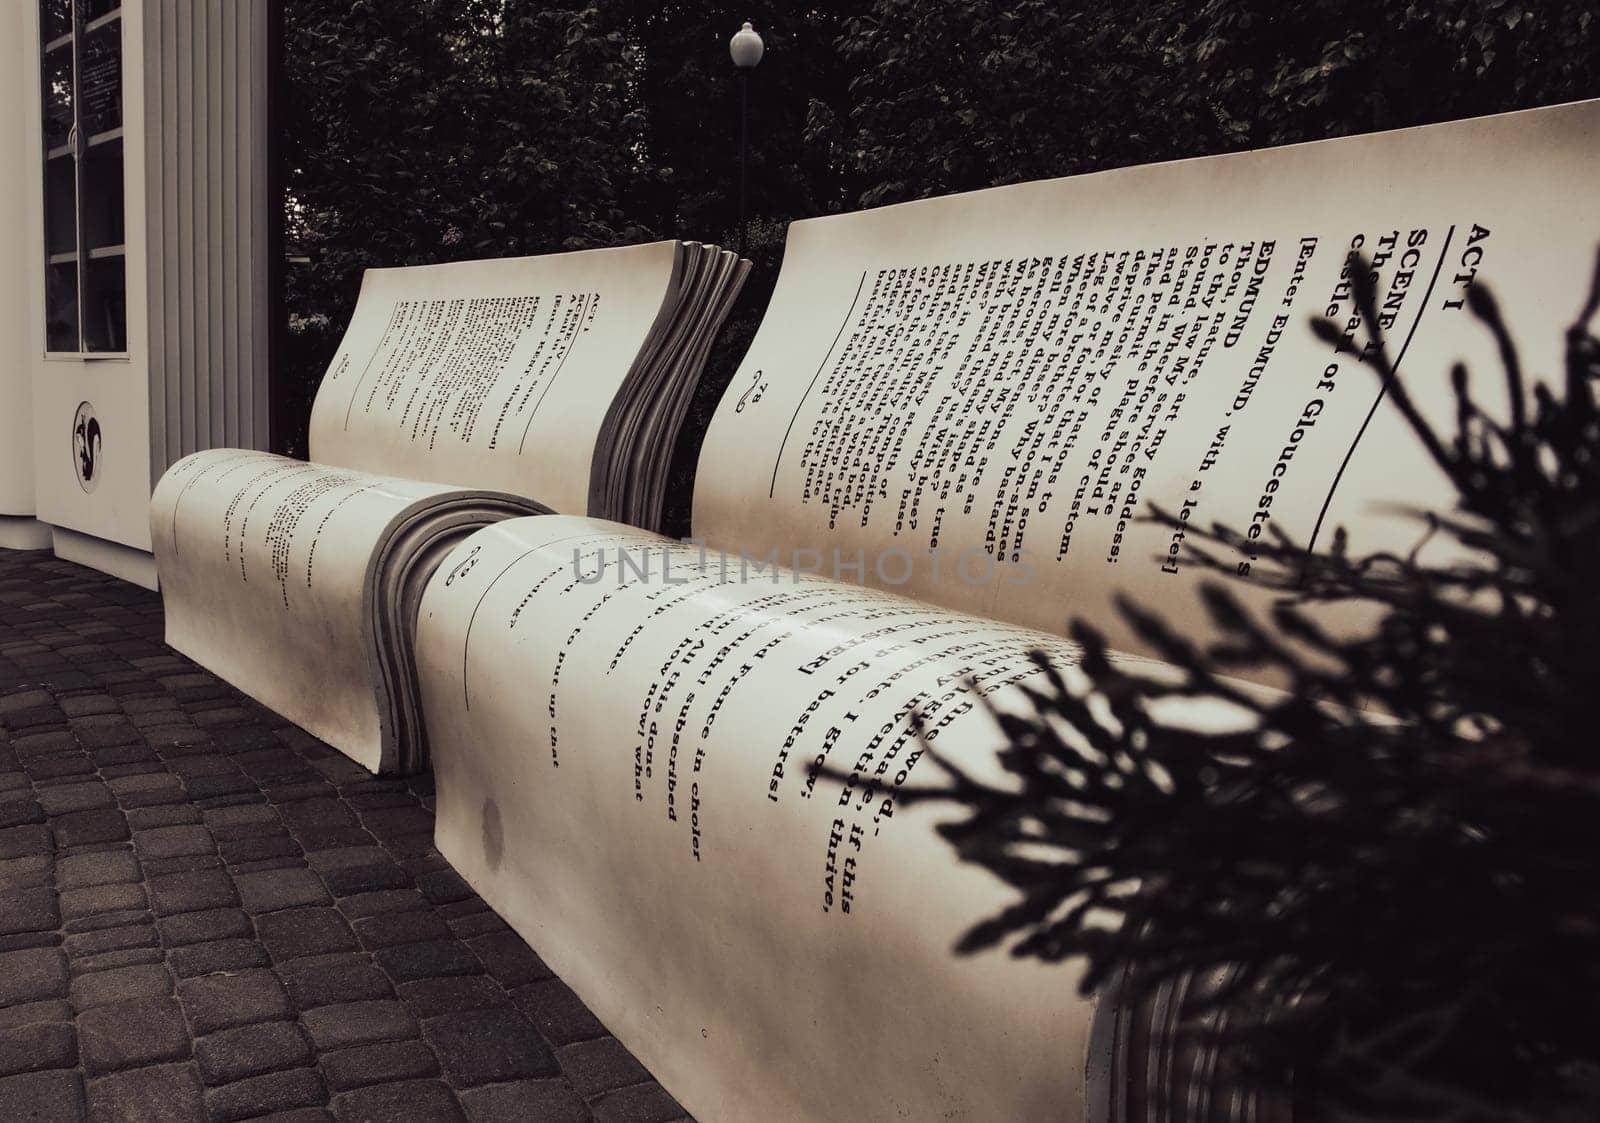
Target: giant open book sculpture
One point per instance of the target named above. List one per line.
(511, 387)
(973, 401)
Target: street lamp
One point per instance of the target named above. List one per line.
(746, 49)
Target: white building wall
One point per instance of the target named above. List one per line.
(18, 530)
(194, 86)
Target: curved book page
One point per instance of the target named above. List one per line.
(298, 584)
(495, 374)
(627, 752)
(979, 400)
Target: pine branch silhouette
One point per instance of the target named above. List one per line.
(1396, 857)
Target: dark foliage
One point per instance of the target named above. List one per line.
(1397, 854)
(434, 130)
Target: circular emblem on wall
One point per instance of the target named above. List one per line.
(87, 459)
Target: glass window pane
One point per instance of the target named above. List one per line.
(94, 9)
(60, 205)
(105, 311)
(56, 95)
(100, 80)
(55, 19)
(61, 307)
(101, 174)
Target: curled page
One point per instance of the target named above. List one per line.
(629, 752)
(494, 374)
(980, 400)
(298, 583)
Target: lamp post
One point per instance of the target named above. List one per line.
(746, 49)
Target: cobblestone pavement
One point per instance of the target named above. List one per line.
(207, 914)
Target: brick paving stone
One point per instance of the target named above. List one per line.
(258, 848)
(121, 737)
(642, 1103)
(19, 812)
(325, 980)
(257, 1095)
(215, 1002)
(130, 1034)
(145, 980)
(29, 910)
(20, 700)
(268, 864)
(397, 821)
(37, 1046)
(102, 898)
(281, 889)
(80, 828)
(110, 960)
(120, 756)
(282, 793)
(111, 939)
(98, 922)
(218, 955)
(600, 1065)
(43, 1097)
(173, 842)
(19, 842)
(445, 887)
(141, 818)
(423, 1101)
(525, 1101)
(44, 744)
(72, 765)
(184, 863)
(378, 1064)
(298, 1115)
(79, 871)
(59, 799)
(252, 813)
(339, 858)
(489, 1046)
(211, 787)
(375, 904)
(428, 998)
(295, 933)
(559, 1013)
(405, 963)
(192, 892)
(332, 838)
(195, 927)
(401, 928)
(358, 1023)
(508, 958)
(350, 880)
(79, 705)
(100, 731)
(377, 801)
(32, 1013)
(234, 1054)
(24, 873)
(317, 813)
(159, 1094)
(31, 975)
(162, 781)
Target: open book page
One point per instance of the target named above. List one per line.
(267, 579)
(976, 400)
(627, 743)
(494, 374)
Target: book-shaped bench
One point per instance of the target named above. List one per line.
(461, 394)
(959, 411)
